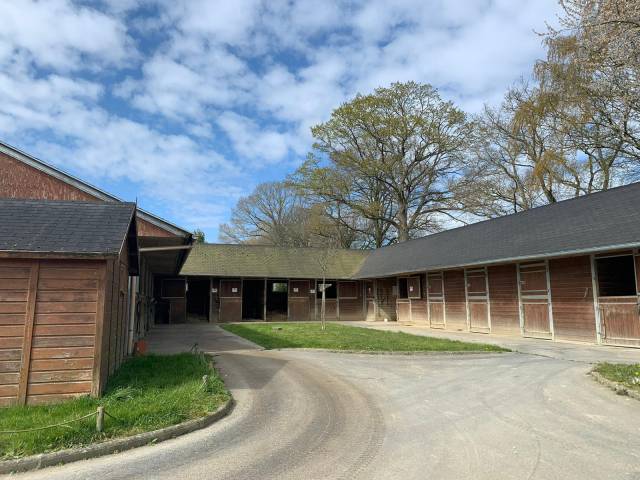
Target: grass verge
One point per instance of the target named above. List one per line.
(344, 337)
(627, 375)
(145, 394)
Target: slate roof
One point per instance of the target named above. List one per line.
(600, 221)
(274, 262)
(49, 226)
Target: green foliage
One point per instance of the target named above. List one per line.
(389, 157)
(198, 236)
(145, 394)
(628, 375)
(344, 337)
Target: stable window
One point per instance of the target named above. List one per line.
(616, 276)
(279, 287)
(331, 291)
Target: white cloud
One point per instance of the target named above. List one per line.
(58, 34)
(249, 77)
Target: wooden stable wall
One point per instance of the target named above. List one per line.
(550, 299)
(63, 328)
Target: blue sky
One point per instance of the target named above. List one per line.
(187, 105)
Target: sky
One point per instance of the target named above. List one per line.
(185, 106)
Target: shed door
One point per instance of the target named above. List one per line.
(435, 292)
(478, 300)
(299, 307)
(371, 302)
(534, 300)
(230, 300)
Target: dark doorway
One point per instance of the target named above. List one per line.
(198, 300)
(616, 276)
(277, 300)
(252, 299)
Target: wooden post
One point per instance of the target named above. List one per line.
(100, 419)
(25, 365)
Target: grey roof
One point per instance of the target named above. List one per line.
(49, 169)
(49, 226)
(600, 221)
(225, 260)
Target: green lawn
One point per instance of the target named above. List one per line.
(343, 337)
(145, 394)
(628, 375)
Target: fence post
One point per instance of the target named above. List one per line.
(100, 419)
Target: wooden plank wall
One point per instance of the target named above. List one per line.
(351, 308)
(572, 299)
(299, 305)
(230, 301)
(50, 344)
(14, 292)
(503, 297)
(455, 300)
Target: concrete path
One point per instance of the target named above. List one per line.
(575, 352)
(320, 415)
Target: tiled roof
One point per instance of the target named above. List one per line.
(273, 262)
(49, 226)
(600, 221)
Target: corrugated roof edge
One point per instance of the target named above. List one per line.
(86, 187)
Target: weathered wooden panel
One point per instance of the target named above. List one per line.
(572, 299)
(12, 319)
(434, 285)
(81, 296)
(348, 290)
(536, 319)
(479, 317)
(403, 309)
(476, 283)
(455, 300)
(64, 318)
(299, 309)
(419, 312)
(351, 309)
(299, 289)
(61, 364)
(13, 296)
(14, 284)
(59, 387)
(230, 288)
(230, 309)
(61, 376)
(436, 314)
(331, 308)
(371, 310)
(620, 321)
(61, 352)
(503, 298)
(63, 341)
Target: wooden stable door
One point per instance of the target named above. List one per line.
(478, 300)
(299, 304)
(533, 286)
(435, 294)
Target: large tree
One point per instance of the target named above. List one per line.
(275, 214)
(392, 157)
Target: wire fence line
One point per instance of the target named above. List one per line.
(99, 414)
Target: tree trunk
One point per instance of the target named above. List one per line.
(403, 224)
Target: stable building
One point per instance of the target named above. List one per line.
(232, 283)
(64, 296)
(567, 271)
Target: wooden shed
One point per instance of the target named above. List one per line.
(64, 274)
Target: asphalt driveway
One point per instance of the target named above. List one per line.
(315, 415)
